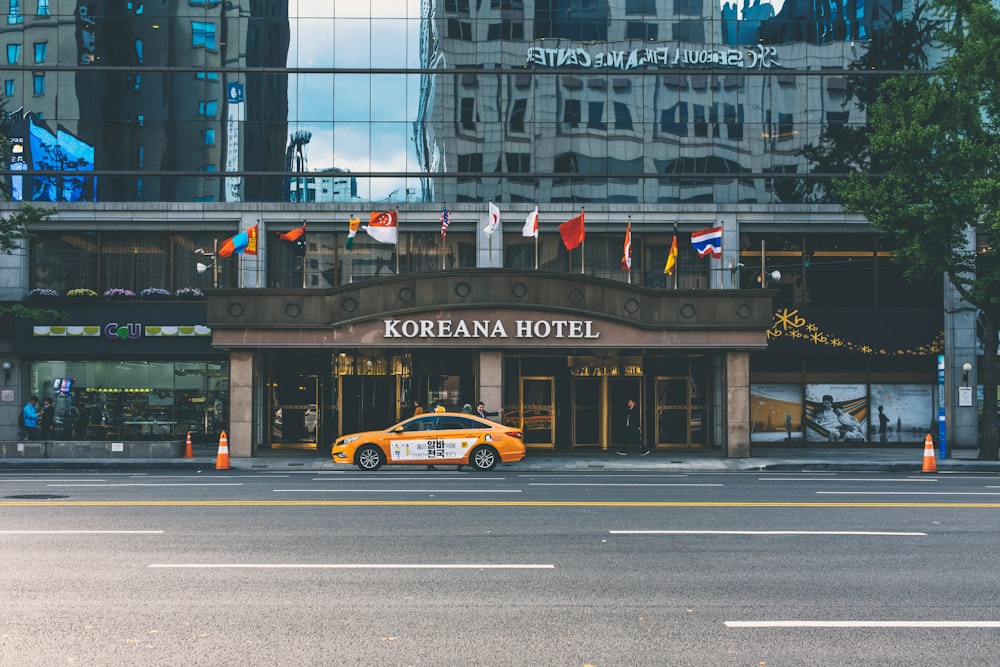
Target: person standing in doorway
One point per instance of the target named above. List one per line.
(47, 421)
(417, 408)
(29, 417)
(633, 433)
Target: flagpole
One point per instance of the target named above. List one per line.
(303, 262)
(536, 236)
(583, 255)
(350, 259)
(629, 249)
(397, 241)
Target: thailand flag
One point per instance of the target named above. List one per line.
(708, 241)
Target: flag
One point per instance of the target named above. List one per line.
(531, 224)
(382, 226)
(296, 240)
(672, 257)
(708, 241)
(445, 219)
(627, 252)
(572, 232)
(244, 242)
(494, 219)
(352, 232)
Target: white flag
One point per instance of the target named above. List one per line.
(531, 225)
(493, 220)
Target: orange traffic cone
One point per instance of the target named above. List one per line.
(188, 454)
(222, 459)
(930, 465)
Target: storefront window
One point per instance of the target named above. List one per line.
(134, 400)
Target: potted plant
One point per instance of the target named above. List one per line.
(119, 293)
(81, 292)
(42, 293)
(155, 293)
(189, 293)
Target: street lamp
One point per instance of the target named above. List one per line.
(966, 367)
(201, 267)
(6, 372)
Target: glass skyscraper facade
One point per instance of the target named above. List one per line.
(158, 130)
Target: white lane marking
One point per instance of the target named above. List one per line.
(863, 624)
(619, 484)
(356, 566)
(45, 481)
(413, 479)
(763, 532)
(907, 493)
(81, 532)
(396, 490)
(843, 479)
(150, 484)
(606, 476)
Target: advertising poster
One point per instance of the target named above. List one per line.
(902, 413)
(836, 413)
(776, 413)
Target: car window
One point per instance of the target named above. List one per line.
(428, 423)
(462, 424)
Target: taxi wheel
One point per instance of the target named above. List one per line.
(484, 457)
(369, 457)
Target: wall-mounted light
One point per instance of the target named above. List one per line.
(966, 367)
(6, 371)
(201, 267)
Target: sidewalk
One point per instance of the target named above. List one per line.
(772, 459)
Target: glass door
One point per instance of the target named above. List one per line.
(538, 411)
(681, 409)
(587, 411)
(294, 403)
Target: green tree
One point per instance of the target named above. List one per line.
(932, 177)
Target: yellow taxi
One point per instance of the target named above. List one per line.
(430, 438)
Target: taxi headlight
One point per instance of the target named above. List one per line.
(349, 439)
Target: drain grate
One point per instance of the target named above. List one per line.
(36, 496)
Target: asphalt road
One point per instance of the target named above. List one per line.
(414, 567)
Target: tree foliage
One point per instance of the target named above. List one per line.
(931, 178)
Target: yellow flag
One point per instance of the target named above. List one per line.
(672, 257)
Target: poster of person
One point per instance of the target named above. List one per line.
(902, 412)
(775, 413)
(836, 413)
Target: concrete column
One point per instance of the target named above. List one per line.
(490, 380)
(737, 444)
(960, 347)
(241, 404)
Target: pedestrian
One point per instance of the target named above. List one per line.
(788, 426)
(47, 421)
(633, 432)
(417, 408)
(467, 409)
(29, 418)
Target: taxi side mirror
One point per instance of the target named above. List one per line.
(398, 429)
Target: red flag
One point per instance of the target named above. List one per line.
(572, 232)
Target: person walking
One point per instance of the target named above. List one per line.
(633, 432)
(29, 418)
(47, 421)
